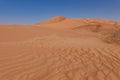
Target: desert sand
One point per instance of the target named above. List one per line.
(59, 48)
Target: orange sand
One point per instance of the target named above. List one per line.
(58, 49)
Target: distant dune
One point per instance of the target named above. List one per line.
(59, 48)
(53, 20)
(62, 22)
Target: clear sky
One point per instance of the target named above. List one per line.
(32, 11)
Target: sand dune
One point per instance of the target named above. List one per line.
(75, 22)
(53, 20)
(59, 49)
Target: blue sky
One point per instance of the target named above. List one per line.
(32, 11)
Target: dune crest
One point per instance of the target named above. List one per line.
(53, 20)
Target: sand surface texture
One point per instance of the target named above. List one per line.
(58, 49)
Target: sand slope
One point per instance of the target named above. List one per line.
(58, 51)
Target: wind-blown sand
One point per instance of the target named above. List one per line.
(58, 49)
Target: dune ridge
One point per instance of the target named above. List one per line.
(53, 20)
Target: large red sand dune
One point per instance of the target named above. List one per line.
(59, 49)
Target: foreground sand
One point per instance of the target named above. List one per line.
(42, 52)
